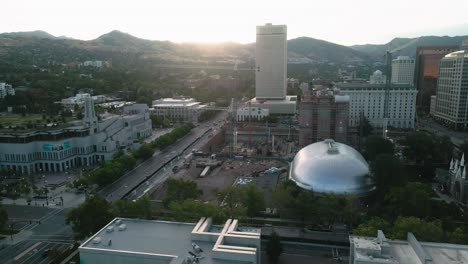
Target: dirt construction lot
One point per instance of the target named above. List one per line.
(224, 175)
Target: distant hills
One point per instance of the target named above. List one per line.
(40, 46)
(376, 51)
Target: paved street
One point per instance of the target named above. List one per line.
(41, 228)
(145, 170)
(435, 128)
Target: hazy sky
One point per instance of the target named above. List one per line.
(345, 22)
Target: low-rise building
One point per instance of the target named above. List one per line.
(6, 89)
(251, 113)
(380, 250)
(178, 109)
(83, 143)
(136, 241)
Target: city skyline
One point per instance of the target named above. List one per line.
(344, 23)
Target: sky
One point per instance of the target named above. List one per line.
(345, 22)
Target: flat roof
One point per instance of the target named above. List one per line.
(404, 252)
(290, 99)
(153, 237)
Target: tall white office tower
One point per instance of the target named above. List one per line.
(451, 101)
(403, 70)
(271, 61)
(90, 118)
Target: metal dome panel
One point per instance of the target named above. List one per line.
(331, 167)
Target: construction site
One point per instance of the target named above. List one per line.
(236, 154)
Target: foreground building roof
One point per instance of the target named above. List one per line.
(147, 241)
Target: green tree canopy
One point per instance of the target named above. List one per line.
(140, 208)
(386, 171)
(370, 227)
(179, 190)
(254, 200)
(423, 230)
(376, 145)
(90, 216)
(412, 199)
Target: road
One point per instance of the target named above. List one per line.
(160, 176)
(145, 170)
(41, 229)
(433, 127)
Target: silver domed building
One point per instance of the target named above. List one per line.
(331, 167)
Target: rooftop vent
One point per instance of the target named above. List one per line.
(110, 229)
(97, 240)
(122, 227)
(109, 242)
(118, 222)
(333, 150)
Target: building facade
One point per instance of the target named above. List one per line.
(136, 241)
(403, 70)
(454, 180)
(6, 89)
(251, 113)
(427, 72)
(433, 104)
(451, 105)
(323, 114)
(178, 109)
(369, 99)
(271, 62)
(89, 142)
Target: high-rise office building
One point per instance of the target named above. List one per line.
(427, 72)
(271, 59)
(403, 70)
(451, 105)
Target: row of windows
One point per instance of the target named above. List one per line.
(49, 155)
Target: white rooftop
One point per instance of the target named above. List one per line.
(381, 250)
(170, 242)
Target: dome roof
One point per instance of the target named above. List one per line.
(331, 167)
(377, 72)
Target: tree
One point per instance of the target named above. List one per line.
(274, 247)
(418, 146)
(90, 216)
(370, 227)
(413, 199)
(144, 152)
(191, 210)
(386, 172)
(376, 145)
(254, 200)
(424, 231)
(3, 218)
(140, 208)
(232, 197)
(179, 190)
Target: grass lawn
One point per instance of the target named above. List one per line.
(16, 119)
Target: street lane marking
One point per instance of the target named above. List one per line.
(27, 251)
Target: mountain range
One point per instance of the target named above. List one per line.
(36, 46)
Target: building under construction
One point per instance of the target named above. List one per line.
(323, 113)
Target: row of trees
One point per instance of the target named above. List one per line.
(95, 212)
(405, 200)
(122, 163)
